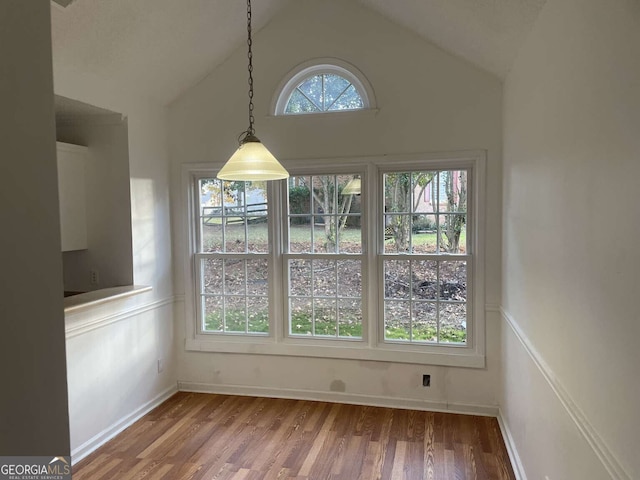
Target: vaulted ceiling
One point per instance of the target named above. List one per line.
(165, 46)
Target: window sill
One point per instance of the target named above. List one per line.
(365, 112)
(448, 356)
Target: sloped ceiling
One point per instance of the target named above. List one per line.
(487, 33)
(162, 47)
(158, 47)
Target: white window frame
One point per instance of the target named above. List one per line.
(372, 346)
(319, 67)
(342, 342)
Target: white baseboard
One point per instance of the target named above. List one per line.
(592, 437)
(107, 434)
(339, 397)
(516, 463)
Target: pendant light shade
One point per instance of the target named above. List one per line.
(252, 161)
(354, 187)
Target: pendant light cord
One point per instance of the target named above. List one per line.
(251, 130)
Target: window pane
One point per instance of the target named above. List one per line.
(325, 315)
(425, 279)
(350, 235)
(397, 279)
(453, 281)
(425, 327)
(312, 89)
(324, 293)
(453, 191)
(299, 236)
(452, 233)
(324, 194)
(300, 277)
(424, 234)
(230, 210)
(235, 314)
(258, 318)
(235, 235)
(210, 190)
(258, 235)
(397, 192)
(397, 320)
(349, 100)
(453, 323)
(298, 103)
(424, 191)
(334, 86)
(211, 234)
(212, 314)
(234, 277)
(211, 272)
(301, 314)
(350, 318)
(258, 277)
(397, 233)
(299, 195)
(323, 235)
(335, 224)
(324, 278)
(349, 278)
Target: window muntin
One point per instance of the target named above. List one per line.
(232, 258)
(425, 258)
(324, 258)
(323, 86)
(324, 92)
(371, 309)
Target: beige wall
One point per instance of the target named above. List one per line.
(570, 262)
(428, 101)
(113, 372)
(33, 403)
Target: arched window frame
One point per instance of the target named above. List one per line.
(319, 67)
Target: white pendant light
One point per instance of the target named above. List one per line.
(354, 187)
(252, 160)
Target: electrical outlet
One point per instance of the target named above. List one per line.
(94, 277)
(160, 365)
(426, 380)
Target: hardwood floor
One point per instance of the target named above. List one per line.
(202, 436)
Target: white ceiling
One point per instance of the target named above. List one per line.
(488, 33)
(163, 47)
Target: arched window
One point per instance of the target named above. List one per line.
(323, 87)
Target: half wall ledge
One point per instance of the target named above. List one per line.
(86, 300)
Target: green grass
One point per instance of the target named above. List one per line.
(236, 322)
(302, 325)
(427, 334)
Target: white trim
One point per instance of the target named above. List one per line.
(593, 438)
(108, 433)
(350, 350)
(512, 451)
(339, 397)
(75, 327)
(492, 307)
(318, 66)
(471, 355)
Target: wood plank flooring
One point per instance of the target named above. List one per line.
(202, 436)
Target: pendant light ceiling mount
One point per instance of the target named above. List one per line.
(252, 160)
